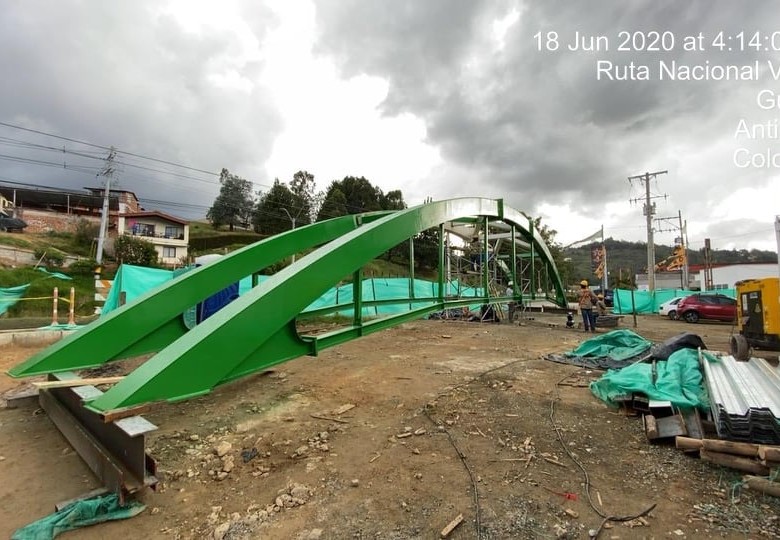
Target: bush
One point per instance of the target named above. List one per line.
(83, 267)
(50, 256)
(129, 250)
(86, 233)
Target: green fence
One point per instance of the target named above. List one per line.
(627, 301)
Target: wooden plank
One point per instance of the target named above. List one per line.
(715, 445)
(446, 531)
(76, 382)
(343, 409)
(693, 423)
(670, 426)
(126, 412)
(731, 447)
(763, 485)
(688, 443)
(734, 462)
(338, 420)
(769, 453)
(651, 427)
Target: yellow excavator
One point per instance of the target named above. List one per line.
(758, 317)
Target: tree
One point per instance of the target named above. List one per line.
(270, 216)
(393, 200)
(302, 187)
(355, 195)
(426, 248)
(130, 250)
(233, 206)
(361, 195)
(334, 204)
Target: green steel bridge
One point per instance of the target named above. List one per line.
(259, 330)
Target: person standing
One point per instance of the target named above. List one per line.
(510, 291)
(586, 302)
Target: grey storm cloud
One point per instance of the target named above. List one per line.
(538, 125)
(128, 75)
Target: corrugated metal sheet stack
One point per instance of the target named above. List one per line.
(745, 399)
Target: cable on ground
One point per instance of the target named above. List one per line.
(606, 517)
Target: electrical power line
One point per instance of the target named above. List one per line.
(118, 152)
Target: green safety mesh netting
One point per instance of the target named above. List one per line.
(10, 296)
(678, 380)
(58, 275)
(78, 514)
(649, 302)
(134, 281)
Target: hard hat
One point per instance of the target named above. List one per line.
(601, 296)
(510, 283)
(584, 282)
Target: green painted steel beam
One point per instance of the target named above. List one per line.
(258, 329)
(153, 321)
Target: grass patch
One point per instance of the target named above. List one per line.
(13, 240)
(42, 286)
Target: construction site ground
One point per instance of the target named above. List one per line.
(389, 436)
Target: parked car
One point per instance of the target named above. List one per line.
(718, 307)
(669, 308)
(11, 224)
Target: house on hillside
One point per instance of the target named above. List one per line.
(168, 234)
(46, 210)
(127, 202)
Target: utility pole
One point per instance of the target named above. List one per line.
(107, 173)
(684, 245)
(708, 278)
(649, 210)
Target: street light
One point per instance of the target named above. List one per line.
(292, 220)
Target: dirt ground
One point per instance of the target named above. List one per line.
(449, 418)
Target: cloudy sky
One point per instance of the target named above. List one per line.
(438, 98)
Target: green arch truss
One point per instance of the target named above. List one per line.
(258, 330)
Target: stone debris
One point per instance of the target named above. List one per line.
(239, 528)
(318, 442)
(222, 448)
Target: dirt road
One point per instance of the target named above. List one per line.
(392, 437)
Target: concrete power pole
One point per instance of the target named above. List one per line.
(684, 245)
(107, 173)
(649, 210)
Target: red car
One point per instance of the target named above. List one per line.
(716, 307)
